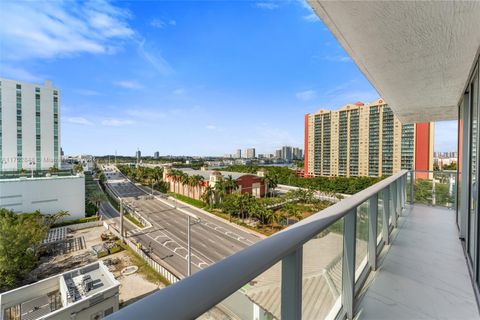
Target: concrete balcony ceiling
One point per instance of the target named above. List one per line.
(418, 55)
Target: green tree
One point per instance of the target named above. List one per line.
(20, 237)
(96, 198)
(78, 168)
(220, 190)
(207, 195)
(53, 219)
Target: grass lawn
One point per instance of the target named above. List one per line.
(133, 220)
(143, 267)
(193, 202)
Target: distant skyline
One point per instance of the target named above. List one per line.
(183, 77)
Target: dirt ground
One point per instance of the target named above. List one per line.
(132, 287)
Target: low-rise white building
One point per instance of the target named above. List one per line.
(86, 293)
(47, 194)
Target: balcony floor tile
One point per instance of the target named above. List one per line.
(424, 273)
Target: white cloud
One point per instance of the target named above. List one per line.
(153, 57)
(211, 127)
(157, 23)
(312, 17)
(116, 122)
(306, 95)
(266, 5)
(79, 120)
(128, 84)
(160, 24)
(18, 74)
(40, 29)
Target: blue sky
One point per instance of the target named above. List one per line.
(182, 77)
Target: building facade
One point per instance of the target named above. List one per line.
(86, 293)
(287, 153)
(194, 188)
(297, 154)
(250, 153)
(29, 126)
(238, 154)
(365, 140)
(46, 194)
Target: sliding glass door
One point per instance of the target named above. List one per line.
(473, 220)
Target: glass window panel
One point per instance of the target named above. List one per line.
(322, 272)
(361, 239)
(380, 218)
(261, 296)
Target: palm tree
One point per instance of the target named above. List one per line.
(208, 194)
(175, 175)
(230, 184)
(157, 174)
(185, 181)
(220, 190)
(195, 182)
(96, 198)
(271, 182)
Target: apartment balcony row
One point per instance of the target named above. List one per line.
(375, 255)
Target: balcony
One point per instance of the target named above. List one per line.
(373, 255)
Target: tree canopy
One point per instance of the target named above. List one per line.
(284, 175)
(20, 237)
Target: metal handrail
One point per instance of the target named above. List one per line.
(195, 295)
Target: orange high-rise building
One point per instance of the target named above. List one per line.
(365, 140)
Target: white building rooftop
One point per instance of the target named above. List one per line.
(57, 293)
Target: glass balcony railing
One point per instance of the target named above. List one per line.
(311, 270)
(434, 188)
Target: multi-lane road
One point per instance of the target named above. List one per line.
(212, 239)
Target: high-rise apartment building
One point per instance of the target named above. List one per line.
(156, 155)
(278, 154)
(364, 140)
(138, 155)
(238, 154)
(250, 153)
(29, 126)
(297, 153)
(287, 153)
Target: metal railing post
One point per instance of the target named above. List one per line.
(412, 186)
(393, 197)
(291, 296)
(404, 191)
(386, 215)
(372, 231)
(398, 195)
(348, 264)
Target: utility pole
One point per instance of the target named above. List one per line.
(189, 273)
(121, 220)
(189, 242)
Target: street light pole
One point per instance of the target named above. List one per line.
(189, 273)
